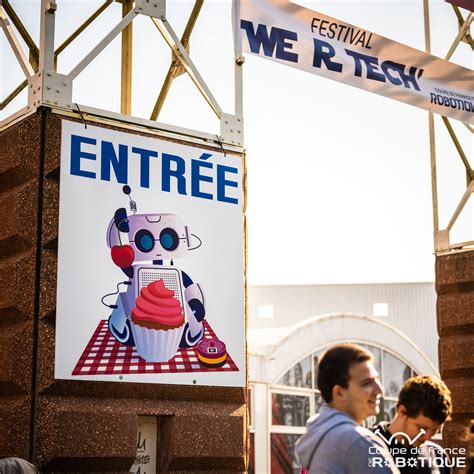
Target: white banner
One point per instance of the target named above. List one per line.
(296, 36)
(150, 261)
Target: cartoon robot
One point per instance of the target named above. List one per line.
(140, 244)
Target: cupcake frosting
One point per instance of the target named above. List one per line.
(156, 307)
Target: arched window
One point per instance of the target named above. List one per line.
(295, 397)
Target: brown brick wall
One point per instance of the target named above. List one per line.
(19, 190)
(455, 316)
(81, 425)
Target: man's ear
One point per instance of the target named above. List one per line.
(402, 410)
(338, 393)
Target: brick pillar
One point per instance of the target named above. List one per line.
(455, 315)
(19, 191)
(72, 425)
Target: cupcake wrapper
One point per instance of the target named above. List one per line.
(156, 345)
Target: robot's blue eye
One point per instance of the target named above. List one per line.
(144, 240)
(169, 239)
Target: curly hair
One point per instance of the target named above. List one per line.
(335, 365)
(427, 395)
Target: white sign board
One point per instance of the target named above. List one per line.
(150, 261)
(305, 39)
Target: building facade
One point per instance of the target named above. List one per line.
(291, 326)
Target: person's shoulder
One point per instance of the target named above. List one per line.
(366, 451)
(352, 434)
(368, 437)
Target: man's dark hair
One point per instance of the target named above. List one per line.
(427, 395)
(335, 365)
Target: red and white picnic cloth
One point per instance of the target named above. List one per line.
(104, 355)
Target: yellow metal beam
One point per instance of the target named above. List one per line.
(78, 31)
(458, 146)
(467, 37)
(13, 94)
(126, 72)
(34, 52)
(176, 69)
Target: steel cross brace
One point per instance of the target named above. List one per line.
(47, 87)
(231, 124)
(442, 236)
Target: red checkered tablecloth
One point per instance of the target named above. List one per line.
(104, 355)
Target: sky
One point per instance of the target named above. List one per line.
(339, 187)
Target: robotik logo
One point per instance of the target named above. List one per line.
(400, 434)
(405, 454)
(199, 177)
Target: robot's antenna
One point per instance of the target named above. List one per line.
(133, 205)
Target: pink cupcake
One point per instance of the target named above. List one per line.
(157, 323)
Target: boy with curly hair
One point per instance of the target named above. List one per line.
(424, 404)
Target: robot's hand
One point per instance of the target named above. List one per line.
(123, 333)
(119, 324)
(198, 309)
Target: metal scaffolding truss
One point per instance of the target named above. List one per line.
(442, 241)
(47, 87)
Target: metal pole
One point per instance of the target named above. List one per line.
(126, 71)
(46, 49)
(92, 54)
(434, 181)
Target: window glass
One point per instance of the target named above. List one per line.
(389, 409)
(299, 375)
(318, 401)
(290, 410)
(283, 458)
(395, 373)
(377, 357)
(315, 370)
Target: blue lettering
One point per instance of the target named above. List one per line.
(278, 38)
(197, 177)
(120, 164)
(178, 173)
(144, 164)
(77, 154)
(371, 63)
(208, 180)
(323, 52)
(390, 65)
(410, 78)
(222, 182)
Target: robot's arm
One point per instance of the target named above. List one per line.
(119, 323)
(194, 297)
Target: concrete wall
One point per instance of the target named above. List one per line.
(69, 425)
(412, 307)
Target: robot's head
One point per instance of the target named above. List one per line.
(151, 236)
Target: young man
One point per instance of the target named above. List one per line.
(335, 441)
(424, 404)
